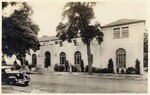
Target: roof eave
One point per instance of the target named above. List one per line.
(123, 24)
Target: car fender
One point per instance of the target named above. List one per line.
(13, 77)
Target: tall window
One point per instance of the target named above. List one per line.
(116, 32)
(60, 43)
(125, 32)
(47, 59)
(62, 58)
(77, 57)
(75, 42)
(34, 60)
(121, 58)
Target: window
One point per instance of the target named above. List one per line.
(43, 44)
(34, 60)
(62, 58)
(116, 32)
(77, 57)
(60, 43)
(125, 32)
(75, 42)
(56, 42)
(121, 58)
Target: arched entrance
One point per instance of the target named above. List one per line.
(62, 58)
(34, 60)
(77, 57)
(47, 61)
(77, 60)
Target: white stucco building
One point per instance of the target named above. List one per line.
(123, 42)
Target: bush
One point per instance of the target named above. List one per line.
(56, 67)
(94, 70)
(82, 66)
(86, 68)
(61, 68)
(66, 66)
(110, 66)
(122, 71)
(74, 69)
(137, 66)
(104, 70)
(130, 70)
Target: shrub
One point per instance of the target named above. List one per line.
(104, 70)
(86, 68)
(122, 71)
(94, 69)
(110, 66)
(137, 66)
(61, 68)
(66, 66)
(74, 68)
(82, 66)
(130, 70)
(56, 67)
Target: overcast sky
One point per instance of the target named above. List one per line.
(48, 14)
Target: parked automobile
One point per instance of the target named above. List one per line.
(11, 76)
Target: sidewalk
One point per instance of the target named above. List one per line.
(103, 75)
(95, 75)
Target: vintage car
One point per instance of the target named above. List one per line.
(13, 77)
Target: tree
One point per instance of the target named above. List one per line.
(82, 66)
(19, 32)
(5, 4)
(110, 66)
(137, 66)
(79, 15)
(145, 49)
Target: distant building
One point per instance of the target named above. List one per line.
(123, 42)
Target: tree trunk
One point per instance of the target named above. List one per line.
(89, 58)
(20, 59)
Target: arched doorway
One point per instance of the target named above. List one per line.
(77, 57)
(77, 60)
(121, 58)
(47, 59)
(62, 58)
(34, 60)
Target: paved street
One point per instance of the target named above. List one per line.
(56, 83)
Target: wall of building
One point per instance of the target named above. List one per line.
(133, 45)
(69, 49)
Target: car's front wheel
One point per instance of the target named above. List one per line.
(26, 83)
(12, 81)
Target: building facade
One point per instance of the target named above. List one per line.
(123, 43)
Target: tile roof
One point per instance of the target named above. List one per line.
(122, 22)
(47, 38)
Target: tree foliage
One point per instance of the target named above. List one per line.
(110, 66)
(79, 15)
(19, 33)
(137, 66)
(5, 4)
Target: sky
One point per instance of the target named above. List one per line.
(48, 14)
